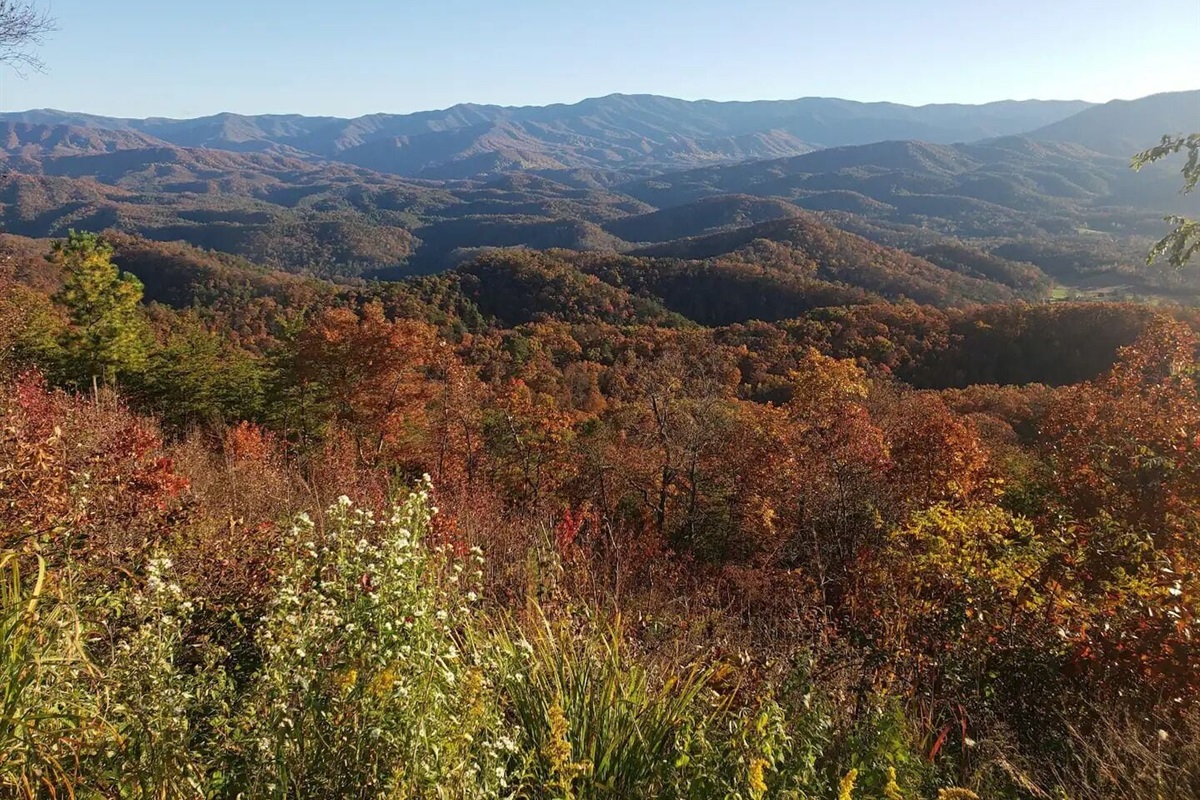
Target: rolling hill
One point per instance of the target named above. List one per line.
(1007, 187)
(807, 246)
(707, 215)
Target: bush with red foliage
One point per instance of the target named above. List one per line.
(83, 477)
(1126, 456)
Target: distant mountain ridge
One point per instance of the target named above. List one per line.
(1004, 206)
(1122, 127)
(1007, 180)
(634, 133)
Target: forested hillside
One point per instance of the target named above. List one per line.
(826, 517)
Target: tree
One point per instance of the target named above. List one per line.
(108, 335)
(529, 440)
(835, 462)
(455, 419)
(1182, 243)
(29, 326)
(22, 24)
(199, 376)
(1125, 453)
(1126, 446)
(362, 372)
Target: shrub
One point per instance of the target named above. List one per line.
(159, 693)
(364, 689)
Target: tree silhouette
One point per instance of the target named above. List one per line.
(22, 25)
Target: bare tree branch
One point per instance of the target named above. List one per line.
(23, 26)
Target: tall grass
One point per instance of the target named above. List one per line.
(42, 732)
(596, 723)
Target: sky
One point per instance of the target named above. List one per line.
(185, 58)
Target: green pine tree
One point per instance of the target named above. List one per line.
(108, 335)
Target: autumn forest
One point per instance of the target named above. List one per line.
(762, 467)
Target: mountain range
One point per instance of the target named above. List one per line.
(1036, 183)
(625, 132)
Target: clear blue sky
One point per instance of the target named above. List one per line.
(350, 57)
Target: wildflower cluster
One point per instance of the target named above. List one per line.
(363, 652)
(154, 688)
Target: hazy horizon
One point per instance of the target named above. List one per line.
(95, 113)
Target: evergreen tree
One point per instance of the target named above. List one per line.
(108, 335)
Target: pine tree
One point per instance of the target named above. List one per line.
(108, 335)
